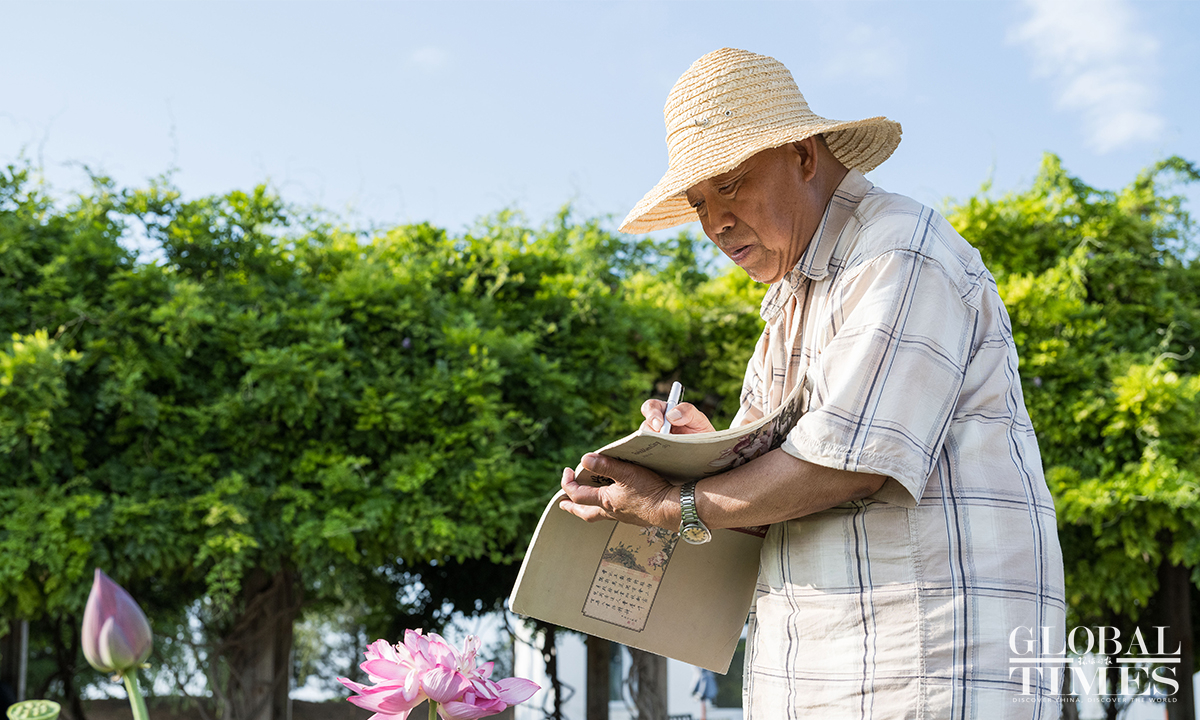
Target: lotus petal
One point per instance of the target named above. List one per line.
(517, 690)
(443, 684)
(116, 634)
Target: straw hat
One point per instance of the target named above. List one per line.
(731, 104)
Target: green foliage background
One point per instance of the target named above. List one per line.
(385, 413)
(1103, 289)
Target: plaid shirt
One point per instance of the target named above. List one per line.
(901, 605)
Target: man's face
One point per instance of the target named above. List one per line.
(763, 213)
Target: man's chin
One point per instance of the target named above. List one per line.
(757, 274)
(759, 268)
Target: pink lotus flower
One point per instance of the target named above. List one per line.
(426, 667)
(116, 635)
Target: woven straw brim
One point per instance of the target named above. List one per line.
(859, 144)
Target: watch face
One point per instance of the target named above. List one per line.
(695, 534)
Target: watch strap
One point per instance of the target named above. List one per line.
(687, 504)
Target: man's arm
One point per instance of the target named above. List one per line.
(769, 489)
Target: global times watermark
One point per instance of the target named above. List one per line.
(1094, 661)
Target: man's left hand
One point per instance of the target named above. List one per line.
(637, 496)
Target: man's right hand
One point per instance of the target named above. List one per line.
(685, 418)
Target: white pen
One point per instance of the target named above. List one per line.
(672, 401)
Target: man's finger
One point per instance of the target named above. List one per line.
(589, 513)
(682, 414)
(688, 416)
(628, 475)
(652, 410)
(607, 467)
(685, 417)
(579, 493)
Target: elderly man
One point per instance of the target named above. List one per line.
(911, 531)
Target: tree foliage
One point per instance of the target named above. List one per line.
(1103, 289)
(384, 414)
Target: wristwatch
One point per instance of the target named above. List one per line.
(690, 528)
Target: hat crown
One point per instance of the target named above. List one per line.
(731, 104)
(726, 93)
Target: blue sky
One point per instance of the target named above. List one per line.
(390, 112)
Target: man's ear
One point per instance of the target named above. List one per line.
(807, 156)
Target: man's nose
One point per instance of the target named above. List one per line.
(720, 218)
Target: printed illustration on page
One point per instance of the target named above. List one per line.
(628, 575)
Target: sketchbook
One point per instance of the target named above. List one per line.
(639, 586)
(691, 457)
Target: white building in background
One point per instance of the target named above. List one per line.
(572, 673)
(681, 677)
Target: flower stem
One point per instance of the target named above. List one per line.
(433, 710)
(136, 701)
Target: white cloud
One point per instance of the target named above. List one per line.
(1102, 64)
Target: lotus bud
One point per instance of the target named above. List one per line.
(116, 634)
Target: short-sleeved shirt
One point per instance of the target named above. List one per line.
(902, 604)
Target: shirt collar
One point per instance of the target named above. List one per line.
(814, 263)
